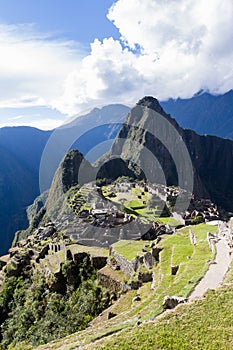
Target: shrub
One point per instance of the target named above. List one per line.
(198, 220)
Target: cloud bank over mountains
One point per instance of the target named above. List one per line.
(168, 48)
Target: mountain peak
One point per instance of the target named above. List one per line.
(152, 103)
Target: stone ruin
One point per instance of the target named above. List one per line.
(201, 210)
(212, 239)
(132, 269)
(174, 269)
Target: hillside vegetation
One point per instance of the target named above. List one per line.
(35, 312)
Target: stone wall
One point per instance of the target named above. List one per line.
(96, 261)
(212, 239)
(56, 247)
(43, 253)
(79, 257)
(128, 267)
(108, 281)
(145, 276)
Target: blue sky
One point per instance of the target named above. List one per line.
(77, 19)
(59, 58)
(80, 21)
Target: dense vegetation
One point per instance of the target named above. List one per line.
(32, 309)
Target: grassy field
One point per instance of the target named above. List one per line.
(205, 324)
(95, 251)
(129, 249)
(168, 221)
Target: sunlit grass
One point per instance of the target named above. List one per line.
(204, 324)
(130, 249)
(176, 250)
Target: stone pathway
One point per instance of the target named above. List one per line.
(215, 275)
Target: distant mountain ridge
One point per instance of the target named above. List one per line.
(204, 113)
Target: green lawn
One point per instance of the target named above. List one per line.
(168, 221)
(95, 251)
(129, 249)
(135, 204)
(205, 324)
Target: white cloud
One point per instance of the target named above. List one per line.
(33, 66)
(105, 76)
(168, 48)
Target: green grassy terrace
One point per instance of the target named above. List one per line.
(176, 249)
(204, 324)
(129, 249)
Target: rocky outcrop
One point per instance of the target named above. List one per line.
(4, 260)
(171, 302)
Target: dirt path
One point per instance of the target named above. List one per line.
(215, 275)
